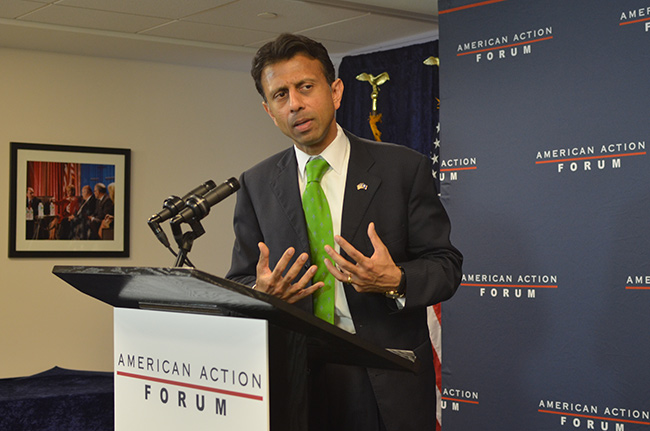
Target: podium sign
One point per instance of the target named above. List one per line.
(190, 371)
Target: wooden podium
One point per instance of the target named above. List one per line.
(296, 339)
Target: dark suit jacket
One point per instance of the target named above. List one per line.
(103, 207)
(402, 201)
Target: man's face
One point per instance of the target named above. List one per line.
(30, 193)
(85, 192)
(301, 103)
(97, 193)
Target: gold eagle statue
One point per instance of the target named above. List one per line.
(432, 61)
(375, 81)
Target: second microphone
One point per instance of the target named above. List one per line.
(197, 207)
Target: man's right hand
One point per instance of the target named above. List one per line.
(282, 286)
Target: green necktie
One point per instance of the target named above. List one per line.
(320, 231)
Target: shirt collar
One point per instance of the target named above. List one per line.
(334, 154)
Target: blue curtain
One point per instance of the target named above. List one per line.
(93, 174)
(408, 102)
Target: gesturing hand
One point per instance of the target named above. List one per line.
(282, 286)
(377, 273)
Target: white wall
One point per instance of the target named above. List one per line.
(183, 125)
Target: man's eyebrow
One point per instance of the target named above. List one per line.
(285, 87)
(280, 88)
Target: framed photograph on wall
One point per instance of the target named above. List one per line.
(68, 201)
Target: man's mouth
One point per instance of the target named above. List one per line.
(302, 124)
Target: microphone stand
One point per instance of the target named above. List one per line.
(185, 240)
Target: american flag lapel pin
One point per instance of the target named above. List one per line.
(362, 186)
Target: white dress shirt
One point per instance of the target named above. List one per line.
(337, 154)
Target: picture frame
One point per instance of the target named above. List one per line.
(76, 201)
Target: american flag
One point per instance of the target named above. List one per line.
(70, 176)
(434, 312)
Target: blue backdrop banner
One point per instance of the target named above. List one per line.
(544, 123)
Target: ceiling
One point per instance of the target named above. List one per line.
(211, 33)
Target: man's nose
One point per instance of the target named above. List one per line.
(296, 100)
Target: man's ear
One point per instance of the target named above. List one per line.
(337, 92)
(268, 111)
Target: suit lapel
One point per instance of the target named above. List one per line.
(284, 183)
(360, 188)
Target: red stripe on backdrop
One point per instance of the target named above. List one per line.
(460, 400)
(635, 21)
(457, 169)
(469, 6)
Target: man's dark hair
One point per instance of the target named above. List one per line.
(285, 47)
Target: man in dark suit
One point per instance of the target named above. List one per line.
(391, 258)
(80, 224)
(104, 206)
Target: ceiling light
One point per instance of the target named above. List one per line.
(267, 15)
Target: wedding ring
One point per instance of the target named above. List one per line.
(349, 278)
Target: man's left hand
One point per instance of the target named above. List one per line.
(375, 274)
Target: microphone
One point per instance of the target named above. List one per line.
(172, 206)
(197, 207)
